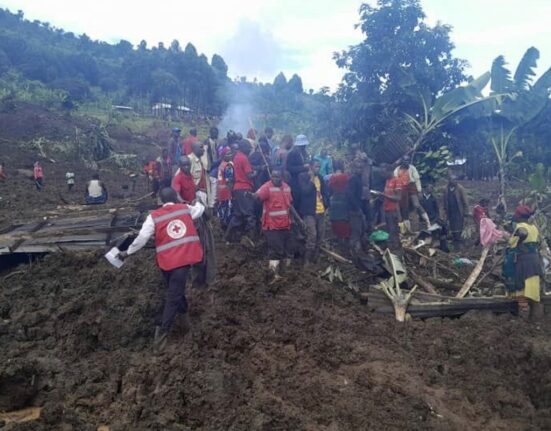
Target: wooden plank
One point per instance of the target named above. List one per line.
(453, 310)
(38, 248)
(67, 238)
(426, 305)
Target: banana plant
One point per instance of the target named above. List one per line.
(445, 106)
(517, 102)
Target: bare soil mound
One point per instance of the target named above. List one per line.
(301, 354)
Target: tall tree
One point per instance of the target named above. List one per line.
(398, 41)
(280, 82)
(295, 84)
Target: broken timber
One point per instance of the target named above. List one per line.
(425, 305)
(71, 231)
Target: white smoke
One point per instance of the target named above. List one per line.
(237, 118)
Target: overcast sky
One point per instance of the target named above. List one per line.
(260, 38)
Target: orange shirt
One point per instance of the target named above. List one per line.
(393, 186)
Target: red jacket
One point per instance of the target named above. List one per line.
(276, 204)
(176, 240)
(241, 168)
(224, 192)
(183, 185)
(188, 142)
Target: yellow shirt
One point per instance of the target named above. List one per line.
(533, 234)
(320, 208)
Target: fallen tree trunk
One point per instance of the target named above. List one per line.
(424, 284)
(474, 274)
(335, 256)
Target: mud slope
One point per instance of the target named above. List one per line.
(302, 355)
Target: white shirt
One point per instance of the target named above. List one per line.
(413, 176)
(148, 227)
(94, 189)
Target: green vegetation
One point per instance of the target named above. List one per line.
(403, 90)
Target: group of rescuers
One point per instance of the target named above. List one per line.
(252, 184)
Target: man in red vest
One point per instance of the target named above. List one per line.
(275, 196)
(178, 247)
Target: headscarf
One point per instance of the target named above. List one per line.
(523, 212)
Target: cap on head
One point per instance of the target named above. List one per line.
(301, 141)
(176, 130)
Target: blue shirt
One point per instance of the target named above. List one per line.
(326, 164)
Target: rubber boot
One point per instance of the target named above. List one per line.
(308, 256)
(274, 269)
(160, 339)
(425, 217)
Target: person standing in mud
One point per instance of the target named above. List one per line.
(411, 187)
(243, 204)
(276, 199)
(200, 175)
(165, 168)
(279, 155)
(338, 204)
(456, 206)
(211, 148)
(522, 267)
(174, 148)
(70, 178)
(205, 272)
(260, 164)
(177, 248)
(429, 203)
(225, 184)
(314, 200)
(392, 196)
(297, 163)
(189, 141)
(354, 197)
(183, 183)
(38, 175)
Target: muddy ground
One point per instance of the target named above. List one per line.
(302, 354)
(299, 355)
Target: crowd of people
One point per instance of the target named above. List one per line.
(253, 185)
(256, 188)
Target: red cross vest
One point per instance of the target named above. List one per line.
(176, 240)
(275, 215)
